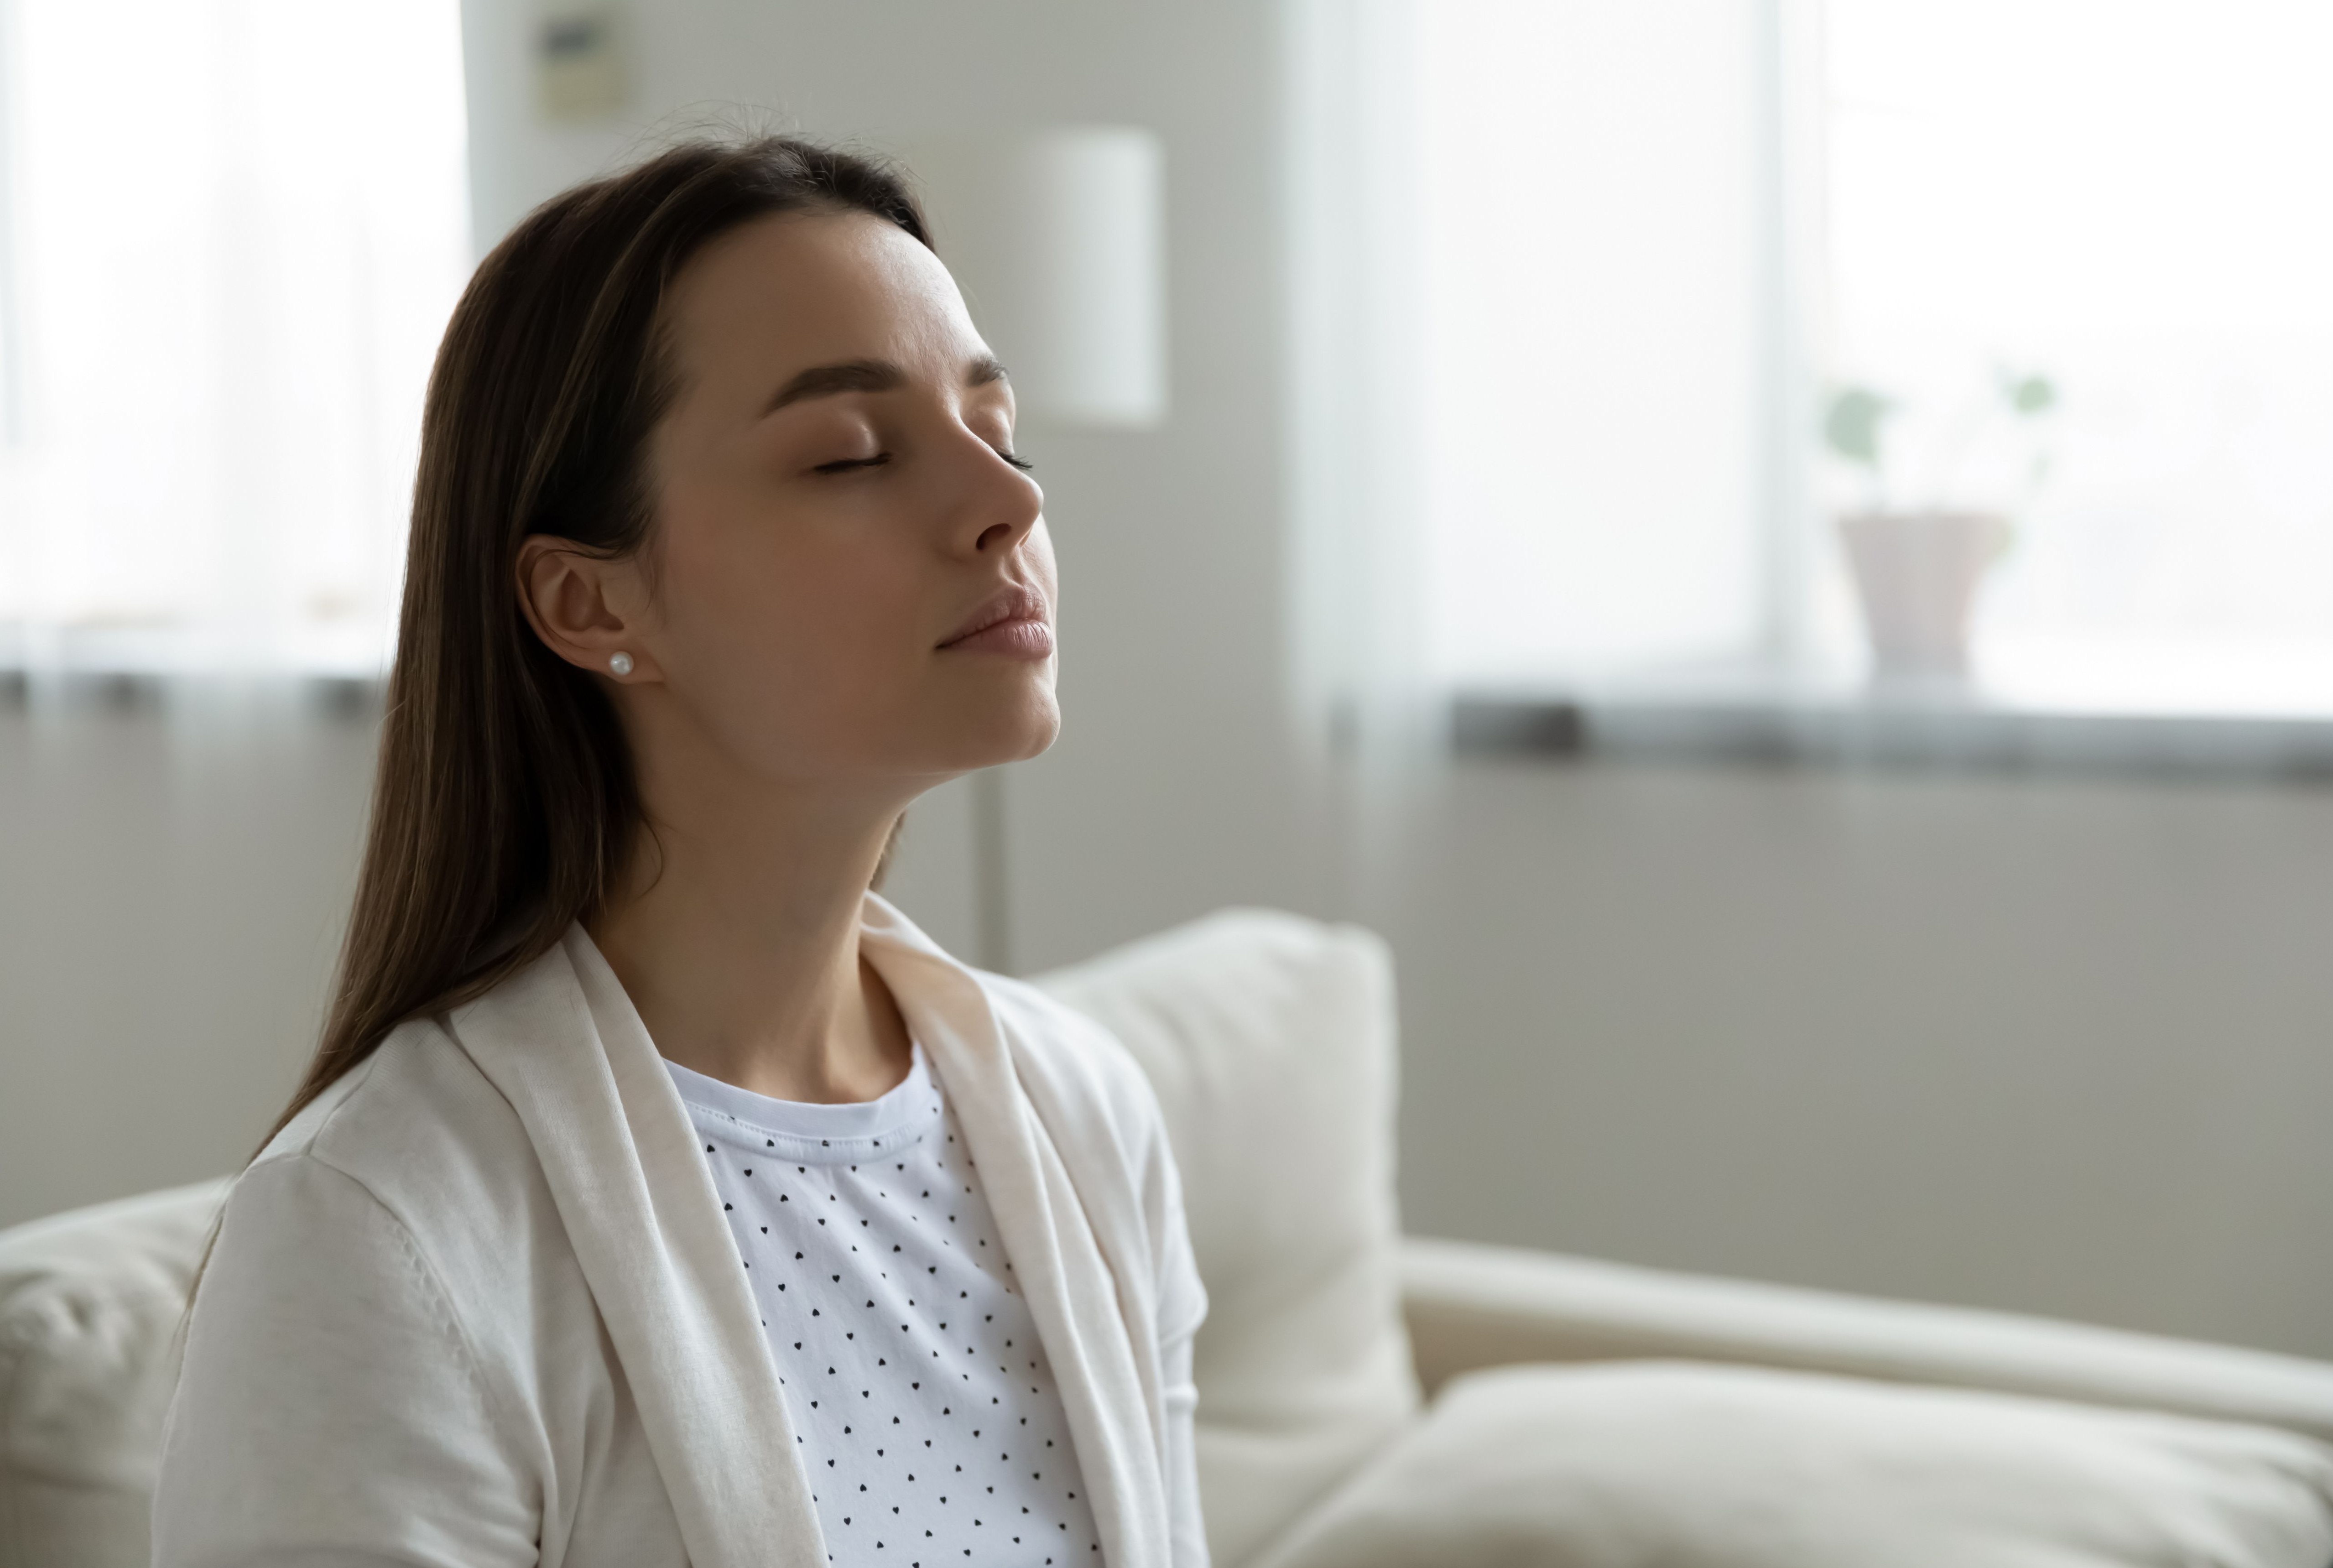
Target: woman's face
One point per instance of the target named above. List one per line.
(850, 581)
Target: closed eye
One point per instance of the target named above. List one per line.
(1020, 463)
(846, 464)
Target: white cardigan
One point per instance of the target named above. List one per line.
(476, 1305)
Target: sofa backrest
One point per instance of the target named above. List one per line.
(1270, 1041)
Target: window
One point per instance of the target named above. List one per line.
(232, 231)
(2069, 254)
(2124, 197)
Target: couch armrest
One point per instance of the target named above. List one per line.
(1471, 1306)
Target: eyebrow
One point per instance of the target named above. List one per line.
(870, 375)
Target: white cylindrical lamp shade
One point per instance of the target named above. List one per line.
(1058, 240)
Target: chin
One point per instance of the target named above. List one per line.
(975, 735)
(1040, 742)
(1035, 731)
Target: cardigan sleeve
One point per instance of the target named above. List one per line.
(331, 1411)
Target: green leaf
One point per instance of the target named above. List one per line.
(1851, 426)
(2030, 394)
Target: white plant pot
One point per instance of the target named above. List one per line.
(1916, 574)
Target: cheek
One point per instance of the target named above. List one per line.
(791, 623)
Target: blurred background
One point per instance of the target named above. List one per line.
(1782, 553)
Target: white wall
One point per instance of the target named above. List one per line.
(2053, 1046)
(173, 883)
(2061, 1046)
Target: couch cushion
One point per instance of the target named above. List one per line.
(1628, 1463)
(90, 1307)
(1270, 1041)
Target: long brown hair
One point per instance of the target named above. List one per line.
(504, 801)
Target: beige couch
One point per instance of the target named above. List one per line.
(1609, 1437)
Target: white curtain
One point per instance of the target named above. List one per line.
(1536, 352)
(234, 229)
(1361, 689)
(1354, 308)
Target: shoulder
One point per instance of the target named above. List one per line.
(407, 1196)
(416, 1138)
(415, 1124)
(333, 1382)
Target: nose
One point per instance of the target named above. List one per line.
(997, 504)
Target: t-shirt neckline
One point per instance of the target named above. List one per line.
(809, 1133)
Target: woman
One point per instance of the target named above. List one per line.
(659, 1194)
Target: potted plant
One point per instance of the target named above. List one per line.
(1917, 565)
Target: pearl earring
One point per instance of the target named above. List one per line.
(621, 663)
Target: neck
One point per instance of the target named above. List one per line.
(736, 932)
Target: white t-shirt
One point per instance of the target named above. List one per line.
(930, 1424)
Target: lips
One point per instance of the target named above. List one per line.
(1013, 621)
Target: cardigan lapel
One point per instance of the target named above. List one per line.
(562, 1043)
(1047, 1234)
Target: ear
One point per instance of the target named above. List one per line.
(586, 608)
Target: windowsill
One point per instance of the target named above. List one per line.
(1776, 717)
(335, 673)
